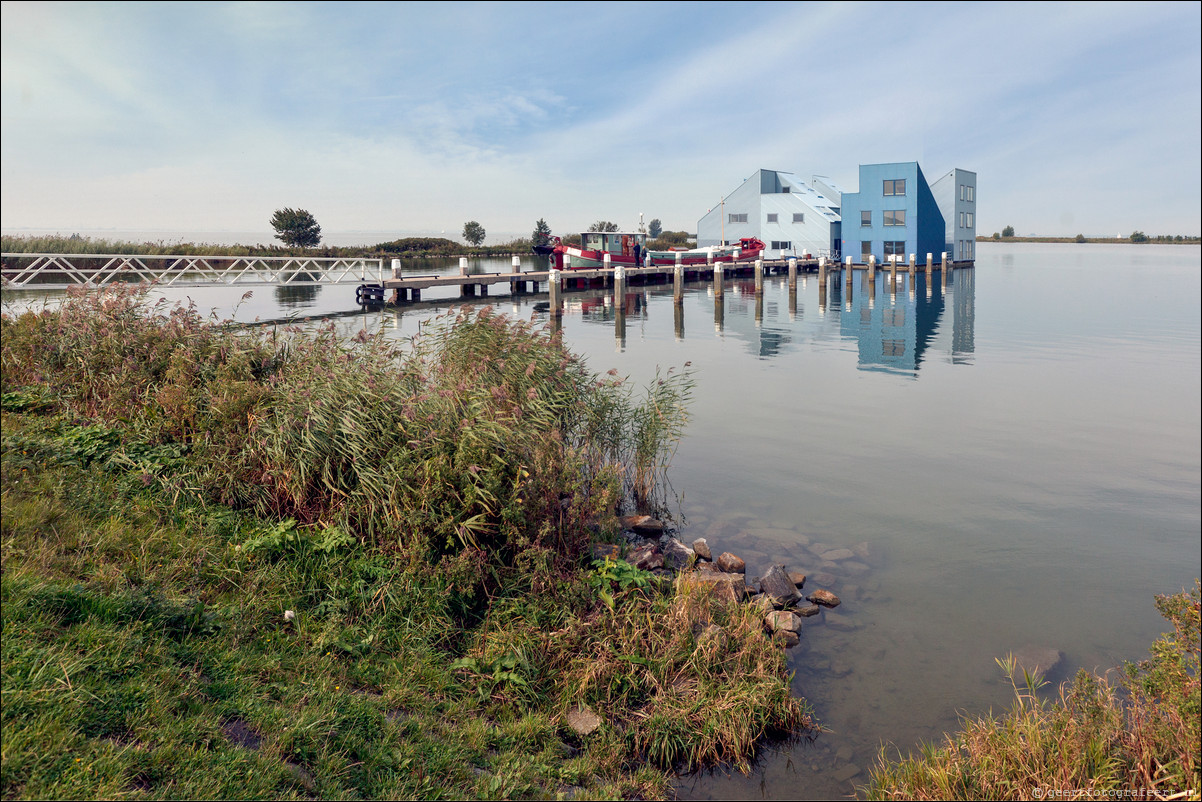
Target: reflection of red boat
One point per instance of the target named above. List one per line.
(629, 250)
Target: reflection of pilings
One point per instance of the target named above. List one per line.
(759, 309)
(719, 312)
(847, 282)
(620, 325)
(822, 289)
(678, 320)
(792, 302)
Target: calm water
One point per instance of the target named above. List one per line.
(1019, 452)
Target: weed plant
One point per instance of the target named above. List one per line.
(172, 486)
(1136, 737)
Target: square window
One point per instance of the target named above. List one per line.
(895, 186)
(799, 217)
(866, 248)
(895, 217)
(865, 218)
(771, 218)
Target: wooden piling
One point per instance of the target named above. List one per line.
(759, 277)
(793, 271)
(678, 282)
(718, 276)
(554, 289)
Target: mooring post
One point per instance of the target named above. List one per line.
(913, 263)
(718, 288)
(678, 282)
(463, 265)
(398, 294)
(759, 277)
(554, 290)
(793, 271)
(943, 269)
(930, 262)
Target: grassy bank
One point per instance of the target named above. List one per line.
(235, 566)
(1136, 736)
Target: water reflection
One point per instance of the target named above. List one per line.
(896, 334)
(295, 296)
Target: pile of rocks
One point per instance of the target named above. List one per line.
(778, 593)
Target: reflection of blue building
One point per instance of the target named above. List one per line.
(897, 213)
(894, 331)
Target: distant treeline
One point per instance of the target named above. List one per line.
(407, 247)
(1138, 237)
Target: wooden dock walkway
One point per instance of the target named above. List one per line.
(406, 288)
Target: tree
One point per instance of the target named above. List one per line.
(1081, 238)
(473, 232)
(655, 228)
(1008, 231)
(1139, 236)
(296, 228)
(603, 225)
(542, 233)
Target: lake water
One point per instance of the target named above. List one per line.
(1016, 457)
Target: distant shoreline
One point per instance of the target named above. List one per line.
(1097, 240)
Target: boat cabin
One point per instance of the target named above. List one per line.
(617, 243)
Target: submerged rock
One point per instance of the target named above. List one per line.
(797, 578)
(808, 610)
(824, 597)
(1038, 659)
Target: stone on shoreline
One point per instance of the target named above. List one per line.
(731, 564)
(643, 524)
(702, 549)
(786, 638)
(776, 585)
(797, 578)
(808, 610)
(676, 554)
(582, 720)
(778, 620)
(647, 557)
(727, 587)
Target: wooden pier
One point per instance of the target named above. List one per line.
(406, 288)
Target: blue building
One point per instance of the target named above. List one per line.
(897, 213)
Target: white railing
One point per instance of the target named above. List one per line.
(59, 271)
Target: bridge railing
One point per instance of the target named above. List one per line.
(59, 271)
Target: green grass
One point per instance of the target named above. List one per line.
(171, 488)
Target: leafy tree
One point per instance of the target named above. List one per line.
(655, 228)
(603, 225)
(473, 232)
(1139, 236)
(542, 233)
(1008, 231)
(1080, 238)
(997, 235)
(296, 227)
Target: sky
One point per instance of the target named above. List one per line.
(417, 117)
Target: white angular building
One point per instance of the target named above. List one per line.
(790, 217)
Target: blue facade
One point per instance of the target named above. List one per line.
(893, 214)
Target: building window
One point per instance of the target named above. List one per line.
(866, 218)
(895, 248)
(893, 347)
(799, 217)
(781, 246)
(961, 219)
(771, 218)
(895, 217)
(971, 190)
(736, 218)
(968, 218)
(866, 248)
(895, 186)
